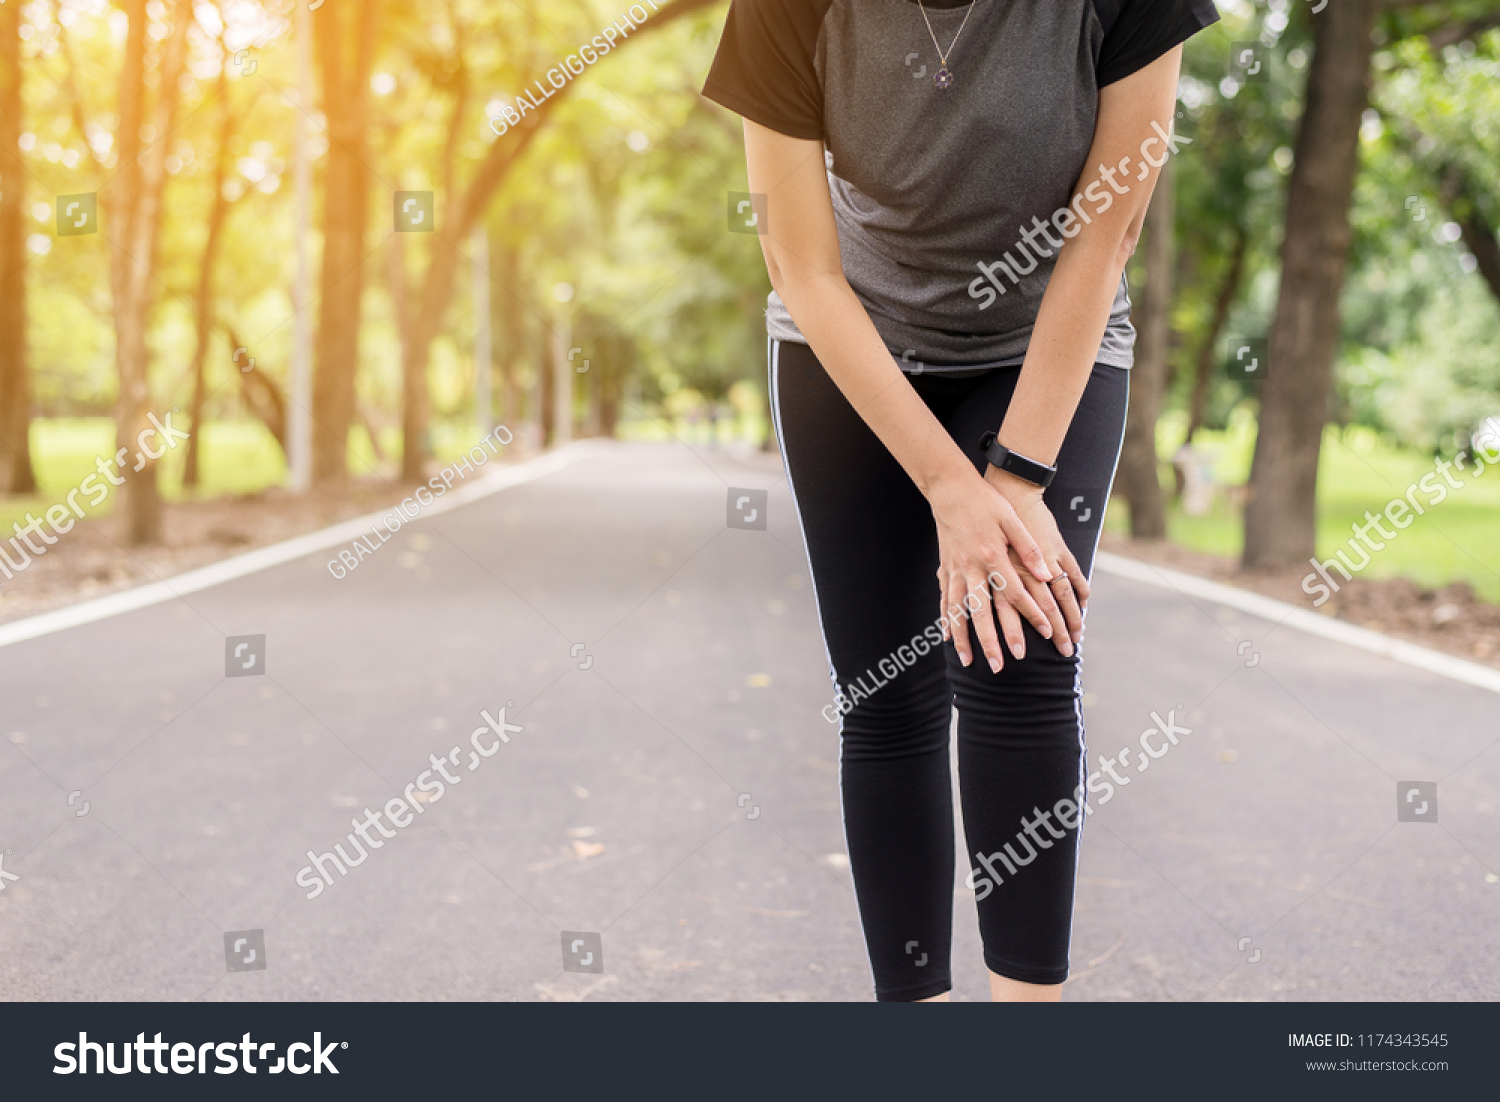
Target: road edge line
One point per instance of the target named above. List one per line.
(276, 554)
(1313, 623)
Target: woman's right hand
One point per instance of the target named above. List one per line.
(977, 528)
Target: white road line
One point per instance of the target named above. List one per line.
(1302, 619)
(263, 558)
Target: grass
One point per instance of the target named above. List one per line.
(64, 452)
(236, 457)
(1359, 470)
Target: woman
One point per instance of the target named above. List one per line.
(948, 192)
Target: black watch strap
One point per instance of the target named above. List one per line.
(1004, 459)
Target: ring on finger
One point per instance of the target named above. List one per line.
(1061, 576)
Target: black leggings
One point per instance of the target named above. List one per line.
(872, 547)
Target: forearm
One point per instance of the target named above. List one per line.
(1064, 345)
(845, 340)
(1080, 293)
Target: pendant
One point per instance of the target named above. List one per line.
(943, 78)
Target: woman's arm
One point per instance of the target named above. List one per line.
(1076, 305)
(976, 526)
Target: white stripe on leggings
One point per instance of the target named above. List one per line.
(1083, 748)
(773, 351)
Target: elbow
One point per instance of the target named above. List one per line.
(1130, 238)
(773, 273)
(783, 277)
(794, 276)
(1107, 246)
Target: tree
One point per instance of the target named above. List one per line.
(345, 35)
(16, 476)
(1462, 198)
(203, 312)
(263, 396)
(504, 261)
(133, 203)
(1465, 199)
(1139, 481)
(1208, 345)
(1281, 510)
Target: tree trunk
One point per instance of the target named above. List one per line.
(346, 107)
(16, 475)
(262, 396)
(372, 429)
(612, 362)
(1281, 506)
(1229, 290)
(512, 335)
(122, 197)
(414, 396)
(591, 381)
(1139, 481)
(1459, 195)
(134, 200)
(484, 350)
(204, 304)
(546, 381)
(564, 423)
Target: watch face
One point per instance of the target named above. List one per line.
(1029, 469)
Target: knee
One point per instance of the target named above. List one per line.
(907, 717)
(1037, 695)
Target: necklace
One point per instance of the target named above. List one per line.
(943, 78)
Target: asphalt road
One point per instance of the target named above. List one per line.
(673, 785)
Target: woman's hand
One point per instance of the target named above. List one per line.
(981, 536)
(1066, 595)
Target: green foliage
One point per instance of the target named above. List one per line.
(1422, 331)
(1435, 388)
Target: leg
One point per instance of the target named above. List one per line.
(1003, 990)
(1020, 731)
(872, 548)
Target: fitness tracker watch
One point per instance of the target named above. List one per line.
(1038, 474)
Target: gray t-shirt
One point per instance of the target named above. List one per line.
(931, 182)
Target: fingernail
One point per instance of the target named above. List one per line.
(964, 660)
(994, 665)
(1078, 637)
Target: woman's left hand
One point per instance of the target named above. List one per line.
(1064, 598)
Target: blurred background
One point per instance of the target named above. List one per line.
(235, 251)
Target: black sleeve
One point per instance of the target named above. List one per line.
(764, 69)
(1142, 30)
